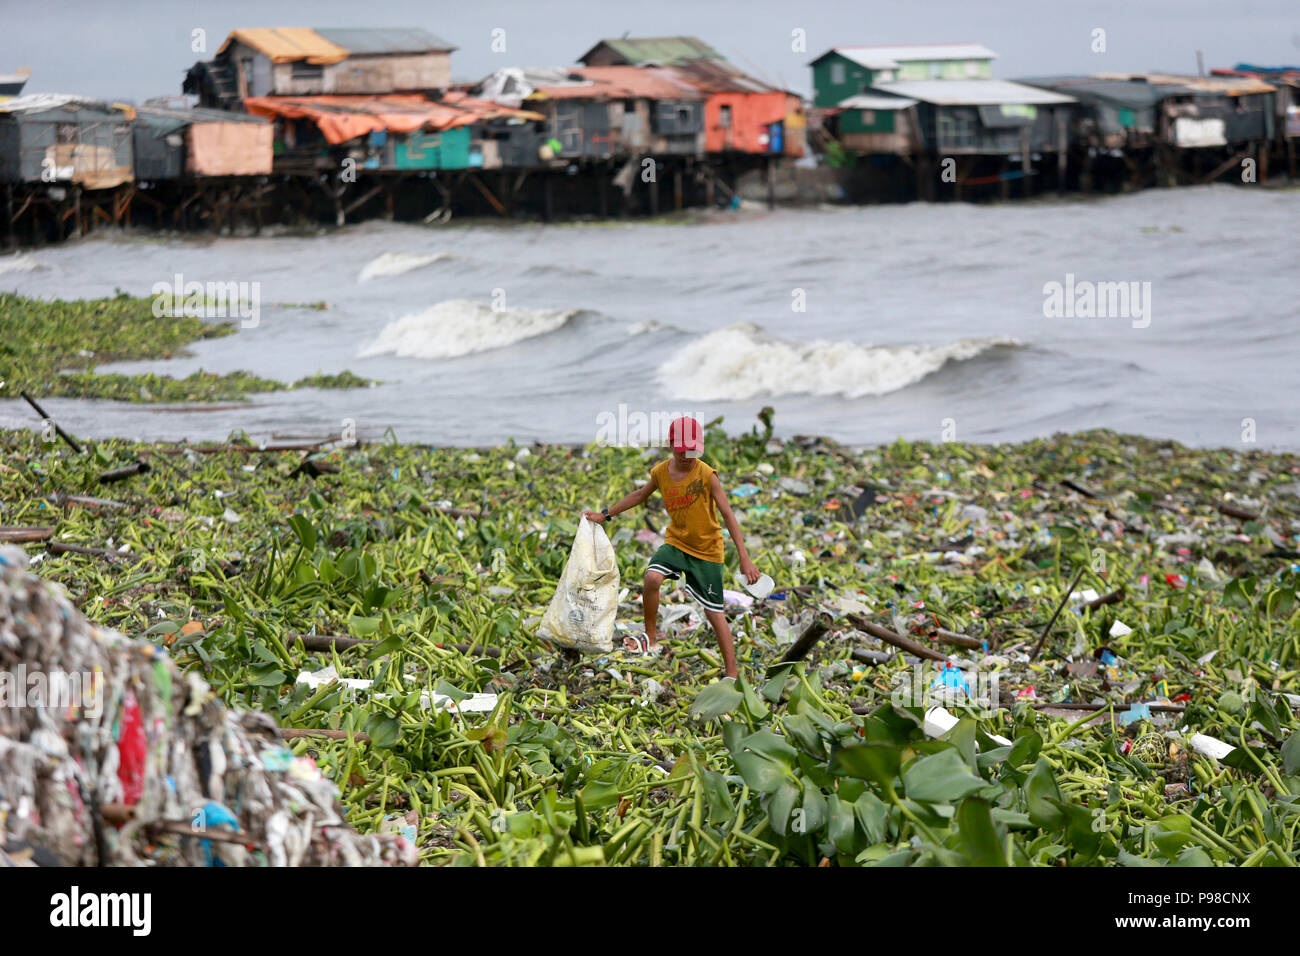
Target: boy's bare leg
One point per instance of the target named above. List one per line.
(723, 632)
(650, 604)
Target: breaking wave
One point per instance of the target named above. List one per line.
(20, 263)
(397, 263)
(742, 361)
(460, 327)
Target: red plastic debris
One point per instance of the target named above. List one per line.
(131, 748)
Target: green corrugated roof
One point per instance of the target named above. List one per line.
(669, 51)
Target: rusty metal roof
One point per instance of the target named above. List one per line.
(712, 76)
(1227, 85)
(623, 83)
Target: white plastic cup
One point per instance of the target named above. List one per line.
(760, 588)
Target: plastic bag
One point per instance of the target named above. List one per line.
(582, 612)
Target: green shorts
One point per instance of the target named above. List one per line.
(703, 578)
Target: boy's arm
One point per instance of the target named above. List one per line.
(637, 497)
(747, 568)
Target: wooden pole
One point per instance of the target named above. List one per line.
(1064, 599)
(58, 429)
(1062, 148)
(889, 637)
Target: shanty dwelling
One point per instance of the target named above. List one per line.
(1285, 81)
(744, 118)
(64, 158)
(950, 132)
(1114, 136)
(602, 124)
(649, 51)
(11, 84)
(200, 167)
(172, 142)
(406, 152)
(305, 61)
(1207, 125)
(846, 71)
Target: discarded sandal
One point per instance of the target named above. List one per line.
(640, 646)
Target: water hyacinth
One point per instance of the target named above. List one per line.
(943, 700)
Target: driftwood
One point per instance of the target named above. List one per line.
(325, 642)
(1113, 597)
(1241, 514)
(119, 474)
(19, 535)
(889, 637)
(58, 429)
(1057, 613)
(84, 501)
(314, 469)
(871, 658)
(961, 640)
(1081, 489)
(807, 640)
(62, 547)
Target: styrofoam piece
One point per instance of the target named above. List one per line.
(475, 703)
(1210, 746)
(938, 721)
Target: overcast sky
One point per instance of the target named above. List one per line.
(134, 50)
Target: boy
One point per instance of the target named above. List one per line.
(693, 542)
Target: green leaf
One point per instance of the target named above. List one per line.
(364, 626)
(1040, 790)
(1025, 749)
(266, 675)
(389, 644)
(753, 703)
(940, 778)
(815, 812)
(980, 837)
(1291, 754)
(873, 814)
(384, 731)
(877, 762)
(451, 690)
(764, 760)
(841, 830)
(716, 700)
(305, 531)
(780, 805)
(716, 797)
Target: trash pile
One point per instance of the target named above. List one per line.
(1081, 650)
(111, 755)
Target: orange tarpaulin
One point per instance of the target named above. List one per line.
(288, 44)
(341, 118)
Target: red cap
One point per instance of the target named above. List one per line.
(686, 435)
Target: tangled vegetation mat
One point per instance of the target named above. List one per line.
(1080, 650)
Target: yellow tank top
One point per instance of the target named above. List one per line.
(694, 527)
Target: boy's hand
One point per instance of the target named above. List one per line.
(750, 572)
(595, 516)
